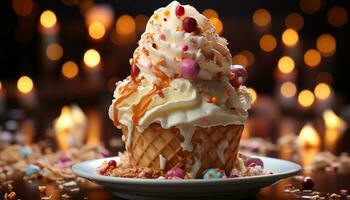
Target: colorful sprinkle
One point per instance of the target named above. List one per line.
(175, 173)
(162, 36)
(134, 71)
(214, 100)
(154, 45)
(142, 174)
(214, 174)
(205, 122)
(161, 94)
(184, 47)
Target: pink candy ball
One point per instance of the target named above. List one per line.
(253, 161)
(238, 75)
(175, 173)
(189, 68)
(189, 24)
(112, 163)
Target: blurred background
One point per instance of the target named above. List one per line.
(60, 60)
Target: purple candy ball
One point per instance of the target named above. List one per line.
(189, 68)
(254, 160)
(239, 75)
(175, 173)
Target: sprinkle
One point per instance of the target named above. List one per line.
(166, 13)
(70, 184)
(214, 100)
(32, 169)
(141, 174)
(184, 47)
(162, 36)
(154, 45)
(165, 19)
(161, 94)
(118, 83)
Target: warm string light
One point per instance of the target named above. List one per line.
(268, 42)
(97, 30)
(210, 13)
(125, 25)
(337, 16)
(326, 44)
(322, 91)
(290, 37)
(312, 58)
(48, 19)
(22, 7)
(25, 84)
(294, 21)
(54, 51)
(70, 69)
(0, 85)
(261, 17)
(310, 6)
(92, 58)
(286, 64)
(306, 98)
(288, 89)
(253, 94)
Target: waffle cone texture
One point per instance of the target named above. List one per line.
(154, 142)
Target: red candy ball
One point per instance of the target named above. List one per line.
(307, 183)
(112, 163)
(253, 161)
(189, 68)
(134, 71)
(179, 11)
(189, 24)
(238, 75)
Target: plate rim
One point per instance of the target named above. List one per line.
(108, 179)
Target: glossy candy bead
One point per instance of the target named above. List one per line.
(175, 173)
(307, 183)
(112, 163)
(238, 75)
(213, 174)
(32, 169)
(189, 24)
(253, 161)
(189, 68)
(179, 10)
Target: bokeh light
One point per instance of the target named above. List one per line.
(141, 21)
(125, 25)
(217, 24)
(288, 89)
(70, 69)
(290, 37)
(240, 59)
(337, 16)
(312, 58)
(306, 98)
(97, 30)
(262, 17)
(326, 44)
(322, 91)
(249, 56)
(54, 51)
(310, 6)
(294, 21)
(48, 19)
(286, 64)
(92, 58)
(210, 13)
(253, 94)
(25, 84)
(268, 43)
(0, 85)
(22, 7)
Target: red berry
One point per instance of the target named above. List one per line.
(179, 11)
(112, 163)
(185, 47)
(307, 183)
(189, 24)
(134, 71)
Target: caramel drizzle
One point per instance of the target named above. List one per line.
(140, 108)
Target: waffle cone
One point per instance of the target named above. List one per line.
(154, 142)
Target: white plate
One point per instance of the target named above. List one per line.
(233, 188)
